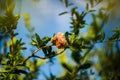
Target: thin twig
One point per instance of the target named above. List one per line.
(11, 38)
(109, 41)
(32, 54)
(77, 69)
(47, 57)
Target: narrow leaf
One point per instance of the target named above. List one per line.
(91, 10)
(73, 10)
(70, 4)
(34, 43)
(49, 49)
(66, 3)
(63, 13)
(44, 51)
(91, 3)
(87, 7)
(38, 38)
(86, 65)
(67, 67)
(23, 48)
(102, 35)
(39, 41)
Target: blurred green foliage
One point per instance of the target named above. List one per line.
(14, 66)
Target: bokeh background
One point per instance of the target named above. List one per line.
(44, 19)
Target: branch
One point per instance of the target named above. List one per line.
(49, 56)
(32, 54)
(77, 69)
(109, 41)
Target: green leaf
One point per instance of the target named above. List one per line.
(17, 16)
(45, 51)
(49, 49)
(86, 65)
(73, 10)
(115, 36)
(16, 71)
(27, 20)
(11, 76)
(76, 55)
(77, 15)
(46, 39)
(102, 37)
(23, 48)
(39, 41)
(67, 67)
(70, 4)
(81, 25)
(66, 3)
(15, 34)
(72, 38)
(10, 7)
(34, 43)
(53, 53)
(22, 43)
(92, 31)
(92, 3)
(63, 13)
(87, 7)
(67, 37)
(91, 10)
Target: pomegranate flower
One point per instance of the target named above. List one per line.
(60, 40)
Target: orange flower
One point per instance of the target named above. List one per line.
(60, 40)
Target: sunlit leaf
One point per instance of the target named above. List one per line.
(41, 62)
(34, 43)
(63, 58)
(91, 10)
(92, 32)
(10, 7)
(27, 20)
